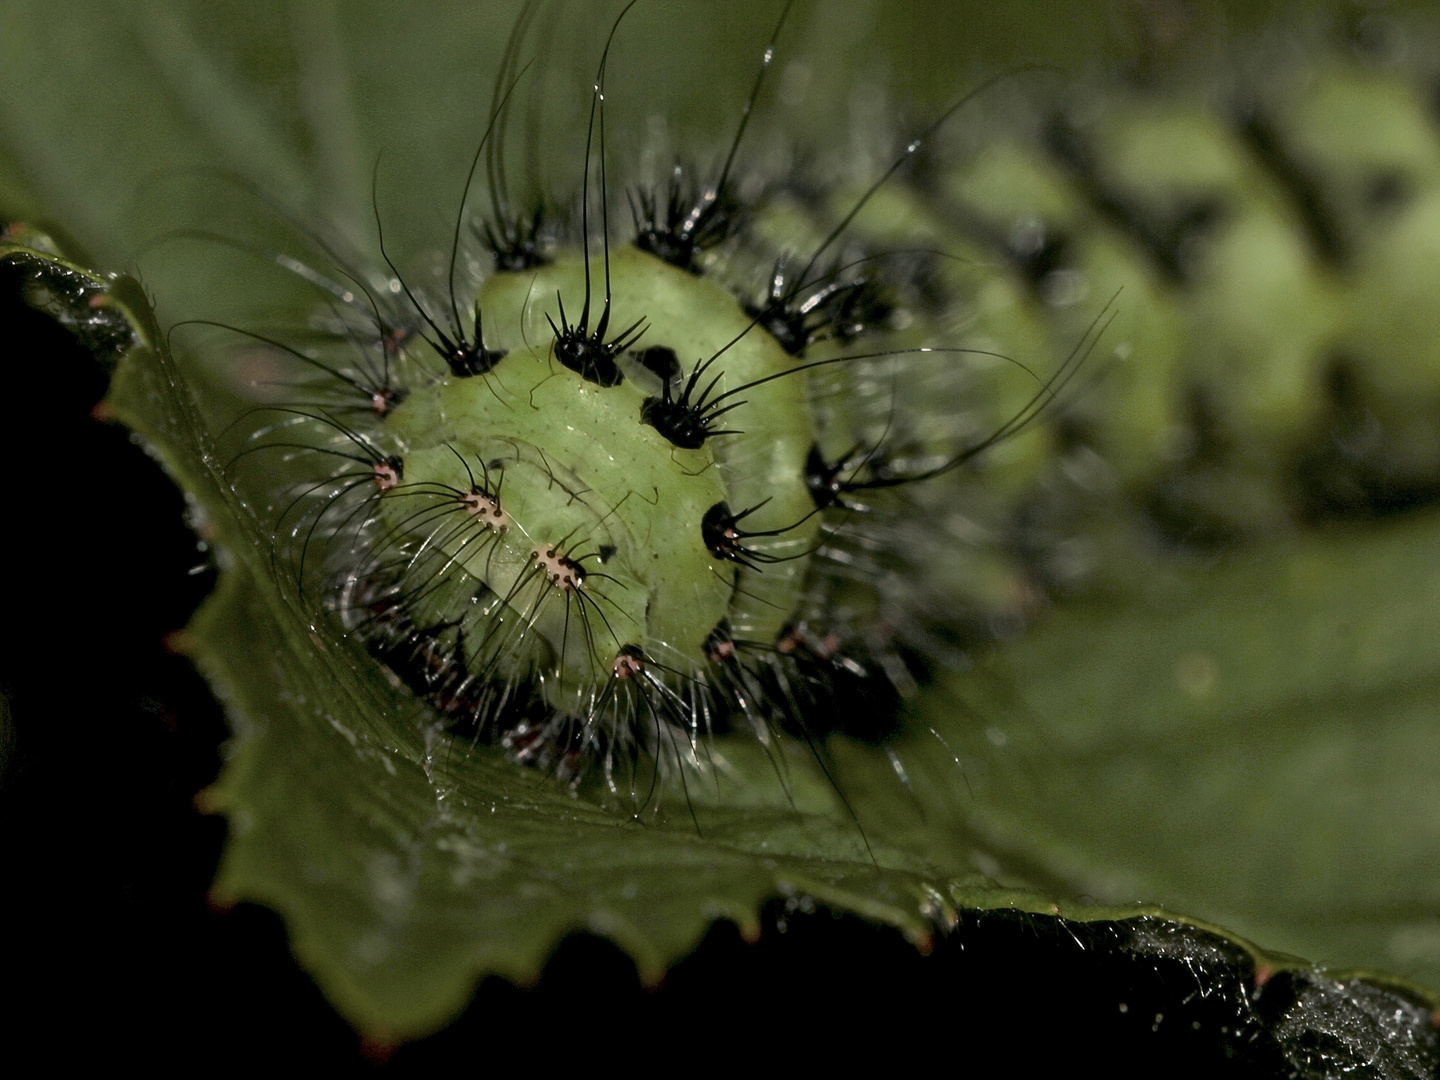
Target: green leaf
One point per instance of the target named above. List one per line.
(406, 870)
(1254, 739)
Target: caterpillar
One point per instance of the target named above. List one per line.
(919, 532)
(788, 421)
(609, 489)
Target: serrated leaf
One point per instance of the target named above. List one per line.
(405, 872)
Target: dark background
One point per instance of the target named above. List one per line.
(112, 951)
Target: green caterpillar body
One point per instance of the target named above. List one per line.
(1271, 245)
(766, 459)
(1272, 362)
